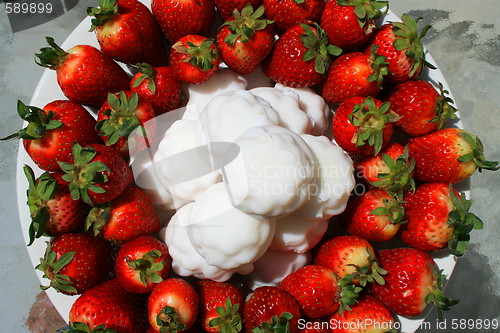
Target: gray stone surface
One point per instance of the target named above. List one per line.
(465, 43)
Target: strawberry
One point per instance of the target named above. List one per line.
(97, 174)
(158, 85)
(51, 132)
(180, 18)
(411, 283)
(84, 73)
(362, 125)
(438, 217)
(300, 56)
(172, 306)
(75, 262)
(126, 122)
(351, 258)
(420, 107)
(141, 264)
(129, 215)
(194, 59)
(375, 215)
(52, 209)
(392, 169)
(108, 307)
(128, 32)
(368, 315)
(221, 307)
(349, 24)
(226, 8)
(245, 40)
(271, 309)
(400, 44)
(354, 74)
(448, 156)
(287, 13)
(318, 291)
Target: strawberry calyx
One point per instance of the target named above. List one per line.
(444, 109)
(201, 56)
(98, 217)
(379, 66)
(393, 208)
(399, 178)
(39, 122)
(408, 38)
(39, 191)
(148, 72)
(147, 268)
(107, 10)
(51, 57)
(279, 324)
(477, 154)
(121, 120)
(367, 11)
(370, 273)
(85, 174)
(245, 24)
(229, 319)
(79, 327)
(437, 296)
(168, 321)
(371, 122)
(51, 266)
(348, 293)
(463, 221)
(318, 49)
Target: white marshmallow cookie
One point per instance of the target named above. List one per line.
(334, 181)
(186, 261)
(274, 172)
(224, 235)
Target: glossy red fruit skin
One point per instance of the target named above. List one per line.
(408, 280)
(348, 77)
(369, 167)
(55, 145)
(226, 7)
(180, 18)
(110, 304)
(167, 96)
(367, 313)
(287, 13)
(267, 301)
(135, 249)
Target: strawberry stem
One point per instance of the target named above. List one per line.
(437, 296)
(245, 24)
(477, 154)
(318, 48)
(168, 320)
(51, 57)
(201, 56)
(229, 319)
(399, 178)
(107, 10)
(50, 266)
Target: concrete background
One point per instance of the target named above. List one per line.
(465, 43)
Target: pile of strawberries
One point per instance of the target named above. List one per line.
(388, 120)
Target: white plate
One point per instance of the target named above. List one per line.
(48, 90)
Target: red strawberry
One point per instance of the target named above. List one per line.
(420, 107)
(180, 18)
(349, 24)
(391, 169)
(245, 40)
(127, 31)
(97, 174)
(172, 306)
(354, 74)
(52, 209)
(108, 306)
(448, 156)
(350, 257)
(318, 291)
(363, 126)
(194, 59)
(126, 122)
(159, 86)
(221, 307)
(411, 283)
(128, 216)
(368, 315)
(300, 57)
(75, 262)
(438, 217)
(84, 73)
(399, 43)
(271, 309)
(227, 7)
(51, 132)
(287, 13)
(141, 264)
(375, 215)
